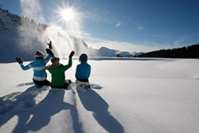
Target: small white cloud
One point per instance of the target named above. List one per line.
(118, 24)
(140, 28)
(177, 42)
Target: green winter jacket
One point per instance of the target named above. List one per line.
(58, 73)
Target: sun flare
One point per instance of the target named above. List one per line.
(68, 14)
(70, 19)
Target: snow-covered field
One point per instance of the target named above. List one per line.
(136, 96)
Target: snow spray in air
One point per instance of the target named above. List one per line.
(33, 36)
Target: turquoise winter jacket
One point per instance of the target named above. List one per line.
(83, 71)
(38, 66)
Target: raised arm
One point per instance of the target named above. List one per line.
(49, 51)
(69, 61)
(21, 64)
(25, 67)
(48, 58)
(50, 54)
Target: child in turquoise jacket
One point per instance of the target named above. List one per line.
(38, 66)
(83, 71)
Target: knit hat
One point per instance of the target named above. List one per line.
(83, 57)
(39, 54)
(55, 60)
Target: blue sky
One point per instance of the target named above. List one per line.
(134, 25)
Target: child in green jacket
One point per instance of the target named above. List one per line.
(57, 71)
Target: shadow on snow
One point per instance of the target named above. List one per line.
(33, 116)
(23, 105)
(95, 103)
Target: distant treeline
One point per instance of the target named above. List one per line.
(184, 52)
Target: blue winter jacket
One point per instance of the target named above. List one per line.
(38, 66)
(83, 71)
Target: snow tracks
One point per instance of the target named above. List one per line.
(49, 110)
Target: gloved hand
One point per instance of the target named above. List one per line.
(49, 52)
(50, 45)
(19, 61)
(71, 54)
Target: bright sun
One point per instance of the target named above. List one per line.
(70, 19)
(68, 15)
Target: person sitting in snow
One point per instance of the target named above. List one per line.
(57, 71)
(83, 71)
(38, 66)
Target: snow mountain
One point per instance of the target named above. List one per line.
(103, 51)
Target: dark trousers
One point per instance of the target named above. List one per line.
(65, 86)
(41, 83)
(83, 80)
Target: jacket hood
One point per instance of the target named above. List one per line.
(53, 66)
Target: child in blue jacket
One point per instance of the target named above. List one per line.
(38, 66)
(83, 71)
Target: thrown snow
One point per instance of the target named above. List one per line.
(137, 96)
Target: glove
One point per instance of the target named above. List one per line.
(19, 61)
(71, 54)
(49, 52)
(50, 45)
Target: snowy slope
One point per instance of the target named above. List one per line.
(137, 96)
(21, 37)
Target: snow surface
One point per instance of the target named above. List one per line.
(136, 96)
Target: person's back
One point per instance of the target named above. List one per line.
(38, 66)
(58, 73)
(83, 71)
